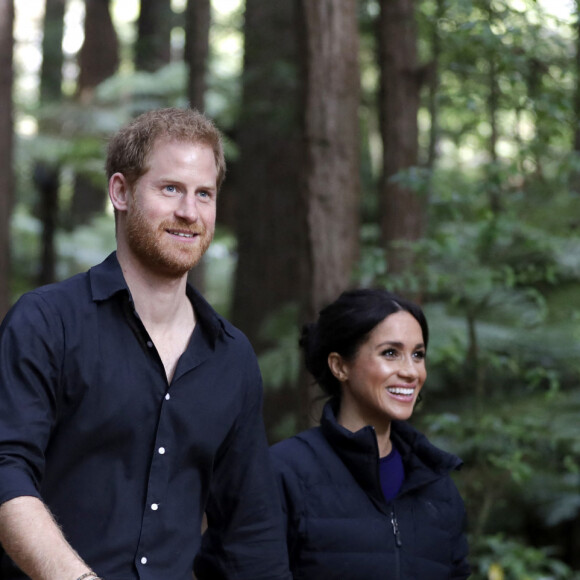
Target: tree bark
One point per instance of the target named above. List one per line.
(269, 211)
(99, 54)
(434, 82)
(197, 24)
(46, 176)
(331, 176)
(153, 46)
(46, 180)
(331, 132)
(269, 216)
(6, 147)
(577, 88)
(52, 54)
(574, 178)
(401, 209)
(98, 60)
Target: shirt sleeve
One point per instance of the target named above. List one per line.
(30, 355)
(245, 538)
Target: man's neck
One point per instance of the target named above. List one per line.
(159, 300)
(164, 310)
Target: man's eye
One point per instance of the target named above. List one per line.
(170, 189)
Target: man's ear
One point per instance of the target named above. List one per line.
(119, 191)
(338, 366)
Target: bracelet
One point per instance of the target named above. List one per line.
(91, 575)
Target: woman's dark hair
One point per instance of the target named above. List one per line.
(344, 325)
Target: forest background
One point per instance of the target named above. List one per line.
(428, 146)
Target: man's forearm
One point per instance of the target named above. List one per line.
(33, 540)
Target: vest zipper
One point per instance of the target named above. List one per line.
(396, 531)
(398, 542)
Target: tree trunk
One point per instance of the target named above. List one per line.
(6, 148)
(52, 54)
(331, 132)
(46, 180)
(434, 81)
(98, 60)
(331, 175)
(198, 19)
(197, 23)
(575, 174)
(577, 88)
(46, 177)
(270, 216)
(401, 209)
(99, 54)
(153, 46)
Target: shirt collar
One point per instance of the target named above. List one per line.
(107, 279)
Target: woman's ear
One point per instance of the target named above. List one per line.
(119, 191)
(338, 366)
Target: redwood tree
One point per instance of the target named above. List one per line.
(331, 174)
(265, 182)
(6, 147)
(98, 60)
(269, 219)
(46, 176)
(153, 46)
(575, 174)
(401, 208)
(197, 23)
(99, 54)
(331, 181)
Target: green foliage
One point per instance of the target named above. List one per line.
(498, 270)
(498, 557)
(219, 262)
(280, 364)
(522, 468)
(26, 229)
(85, 246)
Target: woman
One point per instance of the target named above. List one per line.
(365, 495)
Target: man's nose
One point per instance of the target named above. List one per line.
(187, 208)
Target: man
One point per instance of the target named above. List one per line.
(128, 407)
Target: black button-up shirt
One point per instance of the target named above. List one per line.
(126, 462)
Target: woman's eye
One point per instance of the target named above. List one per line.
(420, 354)
(390, 352)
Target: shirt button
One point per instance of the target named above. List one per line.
(143, 560)
(154, 506)
(161, 450)
(167, 396)
(149, 344)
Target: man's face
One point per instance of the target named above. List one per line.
(170, 217)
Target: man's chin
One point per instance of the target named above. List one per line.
(175, 271)
(170, 269)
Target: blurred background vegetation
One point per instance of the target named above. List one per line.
(428, 146)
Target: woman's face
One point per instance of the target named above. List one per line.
(383, 380)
